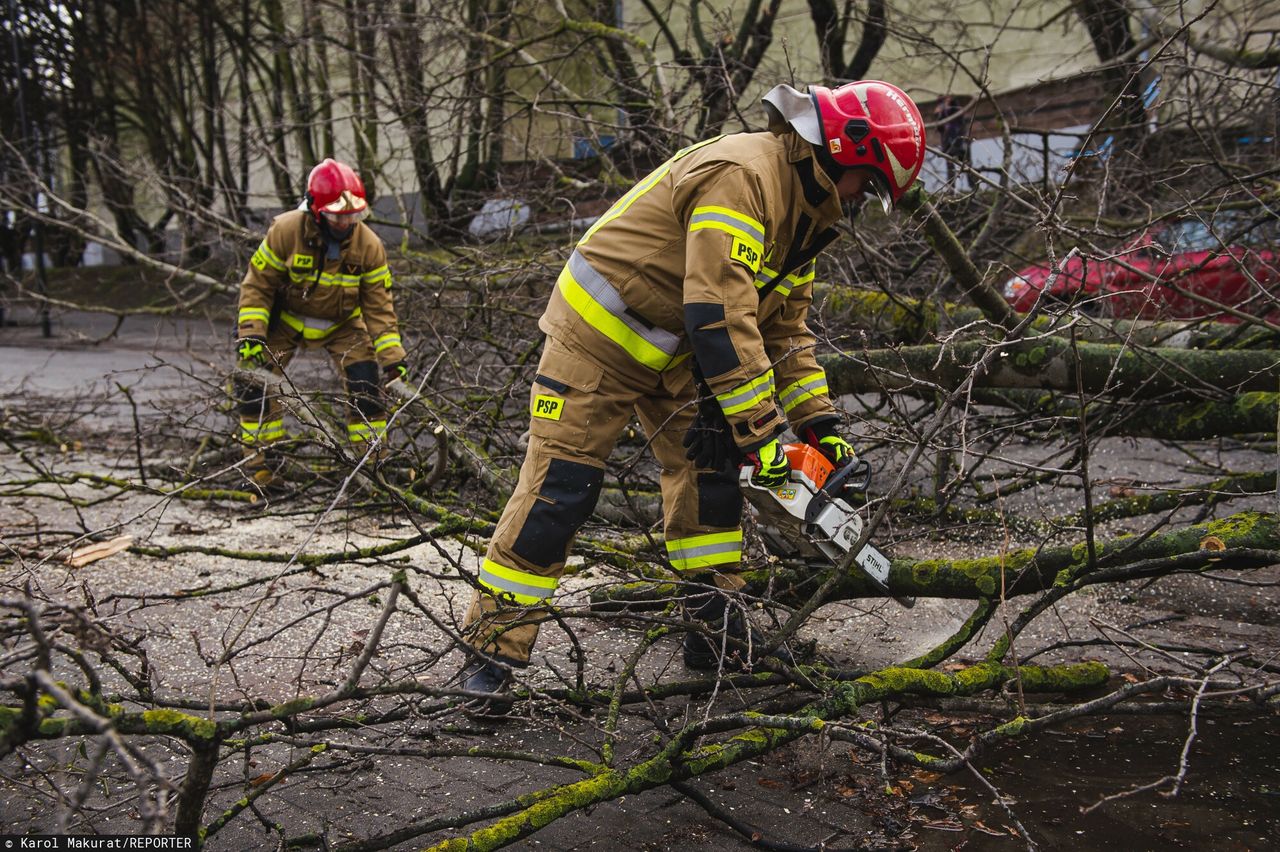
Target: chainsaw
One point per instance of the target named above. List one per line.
(809, 519)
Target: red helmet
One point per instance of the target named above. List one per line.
(335, 191)
(868, 123)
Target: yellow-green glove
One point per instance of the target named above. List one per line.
(822, 435)
(252, 351)
(770, 464)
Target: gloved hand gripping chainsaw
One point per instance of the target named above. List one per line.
(809, 517)
(806, 515)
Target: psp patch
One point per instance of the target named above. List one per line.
(548, 407)
(746, 254)
(302, 261)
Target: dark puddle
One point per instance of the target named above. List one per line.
(1230, 799)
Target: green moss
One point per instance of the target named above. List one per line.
(291, 708)
(1257, 399)
(181, 724)
(978, 677)
(1190, 418)
(1038, 355)
(1241, 525)
(897, 680)
(1014, 727)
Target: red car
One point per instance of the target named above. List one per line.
(1230, 259)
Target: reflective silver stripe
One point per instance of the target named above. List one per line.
(269, 258)
(322, 325)
(603, 294)
(251, 431)
(312, 328)
(503, 579)
(738, 222)
(808, 387)
(325, 279)
(714, 552)
(787, 284)
(357, 432)
(747, 394)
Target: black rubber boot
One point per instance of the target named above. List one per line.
(486, 676)
(703, 652)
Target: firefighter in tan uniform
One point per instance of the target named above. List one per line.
(685, 304)
(320, 278)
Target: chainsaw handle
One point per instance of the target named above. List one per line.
(843, 479)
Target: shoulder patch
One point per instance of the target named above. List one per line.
(746, 254)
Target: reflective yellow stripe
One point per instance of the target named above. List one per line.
(705, 551)
(255, 315)
(265, 256)
(312, 328)
(747, 395)
(787, 284)
(359, 432)
(373, 276)
(325, 279)
(386, 341)
(802, 390)
(732, 222)
(526, 588)
(595, 300)
(620, 206)
(253, 432)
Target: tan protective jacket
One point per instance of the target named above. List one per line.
(317, 294)
(711, 255)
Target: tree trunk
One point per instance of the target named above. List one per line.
(1052, 363)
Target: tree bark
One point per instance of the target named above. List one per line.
(1247, 540)
(1051, 363)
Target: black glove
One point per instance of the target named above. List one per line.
(822, 434)
(397, 371)
(709, 442)
(771, 466)
(252, 351)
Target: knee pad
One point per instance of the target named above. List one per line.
(719, 499)
(571, 490)
(364, 389)
(248, 398)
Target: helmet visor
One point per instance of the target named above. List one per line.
(878, 185)
(344, 218)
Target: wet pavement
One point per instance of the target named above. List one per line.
(814, 794)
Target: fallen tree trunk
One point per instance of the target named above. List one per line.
(1240, 542)
(1052, 363)
(902, 320)
(1247, 414)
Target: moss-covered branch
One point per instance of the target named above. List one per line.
(680, 760)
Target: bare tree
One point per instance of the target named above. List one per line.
(184, 652)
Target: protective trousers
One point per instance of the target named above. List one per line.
(577, 410)
(261, 415)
